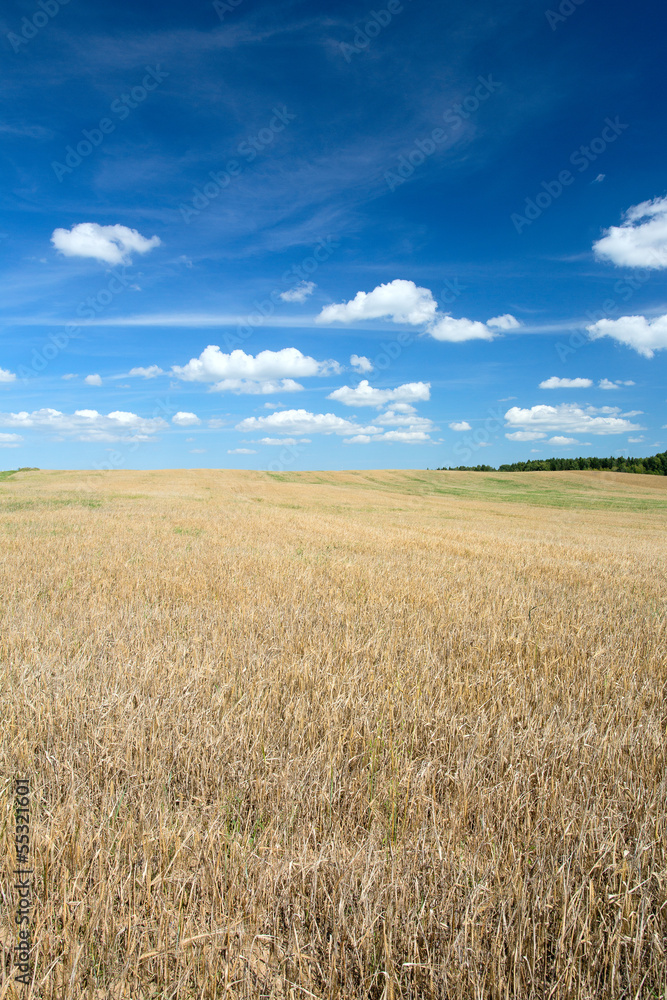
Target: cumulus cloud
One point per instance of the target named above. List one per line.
(241, 451)
(566, 383)
(10, 440)
(646, 336)
(109, 244)
(399, 300)
(287, 442)
(248, 387)
(359, 439)
(299, 293)
(562, 441)
(505, 322)
(86, 425)
(460, 425)
(640, 240)
(365, 395)
(184, 419)
(407, 426)
(363, 365)
(304, 422)
(243, 373)
(455, 331)
(151, 372)
(407, 436)
(403, 301)
(525, 436)
(636, 440)
(604, 383)
(6, 375)
(569, 417)
(396, 417)
(93, 380)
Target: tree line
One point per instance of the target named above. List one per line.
(654, 465)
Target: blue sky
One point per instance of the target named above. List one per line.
(304, 235)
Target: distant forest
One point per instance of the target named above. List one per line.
(655, 465)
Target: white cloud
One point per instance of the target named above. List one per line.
(604, 383)
(628, 382)
(151, 372)
(69, 376)
(363, 365)
(184, 419)
(299, 293)
(506, 322)
(406, 425)
(197, 451)
(525, 436)
(636, 440)
(93, 380)
(399, 300)
(406, 437)
(566, 383)
(396, 417)
(562, 441)
(403, 301)
(359, 439)
(241, 451)
(366, 395)
(640, 240)
(455, 331)
(10, 440)
(287, 442)
(248, 387)
(645, 335)
(216, 423)
(304, 422)
(460, 425)
(569, 417)
(242, 373)
(86, 425)
(110, 244)
(6, 375)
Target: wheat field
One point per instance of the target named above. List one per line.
(336, 735)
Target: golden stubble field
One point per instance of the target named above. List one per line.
(336, 735)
